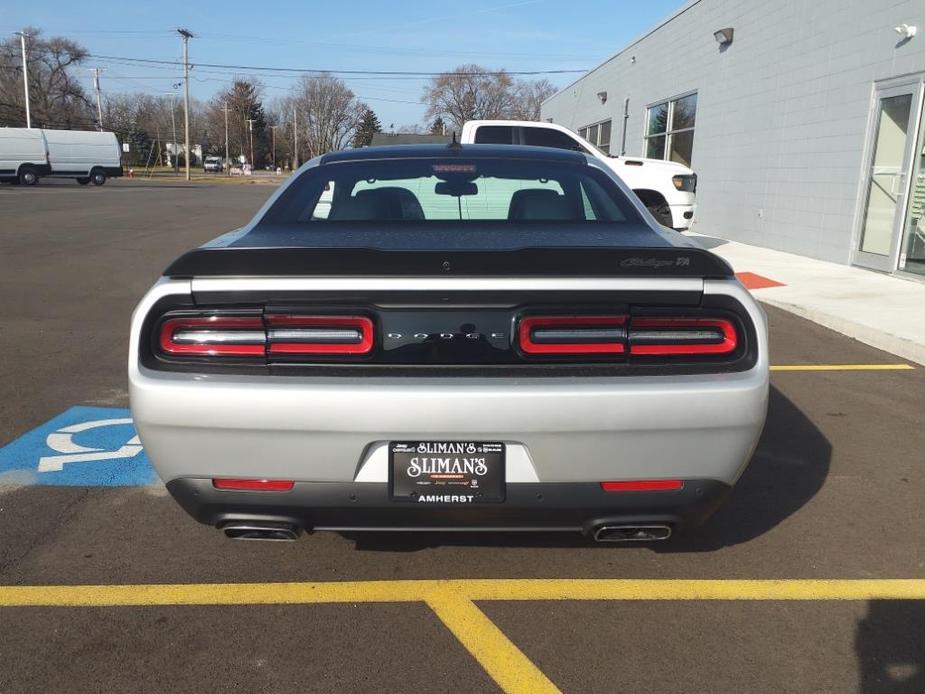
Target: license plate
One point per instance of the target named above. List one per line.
(446, 472)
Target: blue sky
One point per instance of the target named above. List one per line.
(393, 35)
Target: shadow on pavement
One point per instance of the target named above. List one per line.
(890, 647)
(788, 468)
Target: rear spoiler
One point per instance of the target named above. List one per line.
(549, 262)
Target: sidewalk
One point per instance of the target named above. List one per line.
(879, 310)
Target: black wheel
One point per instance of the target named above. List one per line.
(97, 178)
(28, 176)
(83, 180)
(662, 213)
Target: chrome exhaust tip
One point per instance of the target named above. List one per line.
(256, 530)
(631, 533)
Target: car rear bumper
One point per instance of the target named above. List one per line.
(364, 506)
(555, 430)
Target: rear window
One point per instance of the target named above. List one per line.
(419, 191)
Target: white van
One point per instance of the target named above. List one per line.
(88, 156)
(29, 154)
(23, 155)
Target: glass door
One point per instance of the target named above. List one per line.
(887, 179)
(912, 252)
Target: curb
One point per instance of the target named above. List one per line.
(901, 347)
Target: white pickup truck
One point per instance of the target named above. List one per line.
(666, 188)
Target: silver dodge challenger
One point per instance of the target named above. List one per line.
(451, 337)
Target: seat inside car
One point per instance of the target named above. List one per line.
(389, 203)
(543, 205)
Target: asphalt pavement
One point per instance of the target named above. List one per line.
(834, 491)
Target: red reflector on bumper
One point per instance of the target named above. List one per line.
(254, 485)
(643, 486)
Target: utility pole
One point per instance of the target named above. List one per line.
(99, 98)
(186, 35)
(250, 131)
(295, 135)
(173, 124)
(227, 160)
(273, 133)
(25, 75)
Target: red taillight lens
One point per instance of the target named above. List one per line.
(319, 335)
(565, 335)
(681, 336)
(643, 486)
(254, 485)
(213, 336)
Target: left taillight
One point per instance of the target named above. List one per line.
(213, 336)
(265, 336)
(319, 335)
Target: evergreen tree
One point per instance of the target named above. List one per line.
(369, 126)
(438, 126)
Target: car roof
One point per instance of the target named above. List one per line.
(457, 150)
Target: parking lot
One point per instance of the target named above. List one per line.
(790, 587)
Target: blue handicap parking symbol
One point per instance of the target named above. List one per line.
(84, 446)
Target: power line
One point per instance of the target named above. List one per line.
(404, 73)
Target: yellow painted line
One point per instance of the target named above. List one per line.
(452, 602)
(842, 367)
(475, 589)
(496, 653)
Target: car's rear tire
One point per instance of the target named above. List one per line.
(28, 176)
(97, 177)
(83, 180)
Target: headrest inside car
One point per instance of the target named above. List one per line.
(542, 205)
(375, 204)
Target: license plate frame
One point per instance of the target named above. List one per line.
(448, 472)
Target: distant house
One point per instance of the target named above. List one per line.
(381, 139)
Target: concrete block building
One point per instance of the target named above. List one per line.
(802, 118)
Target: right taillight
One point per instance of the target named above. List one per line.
(679, 336)
(572, 335)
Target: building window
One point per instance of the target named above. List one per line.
(670, 129)
(598, 135)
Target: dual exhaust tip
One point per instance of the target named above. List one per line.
(261, 530)
(287, 532)
(631, 533)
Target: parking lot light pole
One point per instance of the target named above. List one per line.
(295, 136)
(273, 135)
(227, 160)
(25, 75)
(99, 97)
(250, 134)
(186, 35)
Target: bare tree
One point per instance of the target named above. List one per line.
(329, 113)
(56, 98)
(469, 92)
(529, 96)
